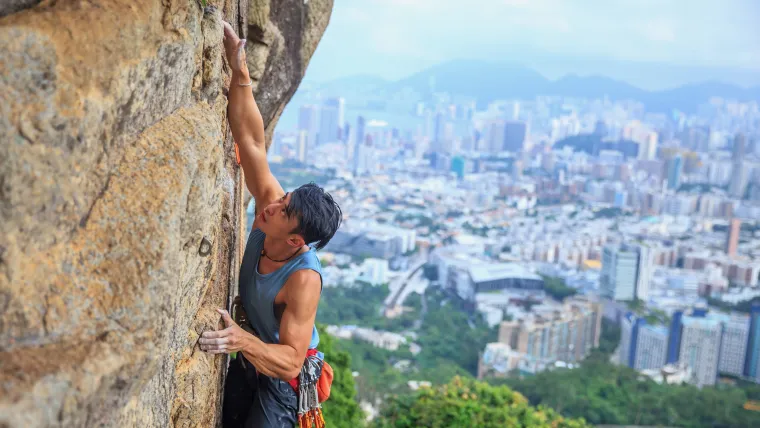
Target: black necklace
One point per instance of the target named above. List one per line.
(264, 253)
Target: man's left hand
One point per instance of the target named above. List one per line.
(231, 339)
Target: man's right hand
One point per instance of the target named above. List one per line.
(234, 48)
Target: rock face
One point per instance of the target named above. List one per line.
(121, 202)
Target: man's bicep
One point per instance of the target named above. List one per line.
(300, 311)
(258, 177)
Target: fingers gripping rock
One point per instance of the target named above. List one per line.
(212, 29)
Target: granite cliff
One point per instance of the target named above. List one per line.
(121, 201)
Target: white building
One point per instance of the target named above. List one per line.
(651, 348)
(733, 347)
(642, 346)
(619, 269)
(374, 271)
(700, 347)
(466, 275)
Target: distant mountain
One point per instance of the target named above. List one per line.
(359, 82)
(480, 79)
(488, 81)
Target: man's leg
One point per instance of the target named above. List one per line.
(238, 394)
(274, 405)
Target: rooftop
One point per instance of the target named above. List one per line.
(496, 271)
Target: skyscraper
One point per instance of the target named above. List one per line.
(331, 120)
(651, 347)
(752, 359)
(308, 121)
(732, 240)
(439, 132)
(600, 128)
(358, 142)
(514, 136)
(494, 136)
(700, 346)
(302, 146)
(674, 337)
(648, 147)
(626, 272)
(738, 185)
(675, 167)
(457, 166)
(733, 346)
(642, 346)
(644, 271)
(739, 149)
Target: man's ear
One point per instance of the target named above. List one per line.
(295, 240)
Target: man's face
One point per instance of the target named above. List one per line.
(274, 221)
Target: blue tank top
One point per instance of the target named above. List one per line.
(258, 291)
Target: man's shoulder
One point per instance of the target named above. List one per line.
(304, 276)
(303, 288)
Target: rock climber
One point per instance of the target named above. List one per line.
(280, 278)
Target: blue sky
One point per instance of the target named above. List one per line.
(394, 38)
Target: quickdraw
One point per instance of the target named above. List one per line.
(309, 408)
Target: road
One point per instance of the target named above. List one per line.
(399, 286)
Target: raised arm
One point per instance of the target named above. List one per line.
(247, 125)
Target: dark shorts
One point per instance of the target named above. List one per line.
(253, 400)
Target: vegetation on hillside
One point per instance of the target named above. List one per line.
(451, 339)
(469, 403)
(341, 410)
(742, 306)
(557, 288)
(604, 393)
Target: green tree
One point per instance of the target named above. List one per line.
(607, 394)
(557, 289)
(469, 403)
(448, 334)
(341, 409)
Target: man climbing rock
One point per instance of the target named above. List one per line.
(280, 279)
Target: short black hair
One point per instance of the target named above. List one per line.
(319, 216)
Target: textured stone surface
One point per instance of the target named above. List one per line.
(120, 202)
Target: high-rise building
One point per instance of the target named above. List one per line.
(651, 347)
(733, 346)
(618, 277)
(457, 166)
(493, 138)
(701, 335)
(440, 123)
(675, 168)
(308, 121)
(547, 336)
(644, 271)
(738, 185)
(331, 120)
(600, 128)
(648, 146)
(302, 146)
(644, 137)
(626, 272)
(739, 149)
(514, 136)
(674, 337)
(752, 360)
(642, 346)
(732, 240)
(358, 142)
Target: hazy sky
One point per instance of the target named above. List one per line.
(394, 38)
